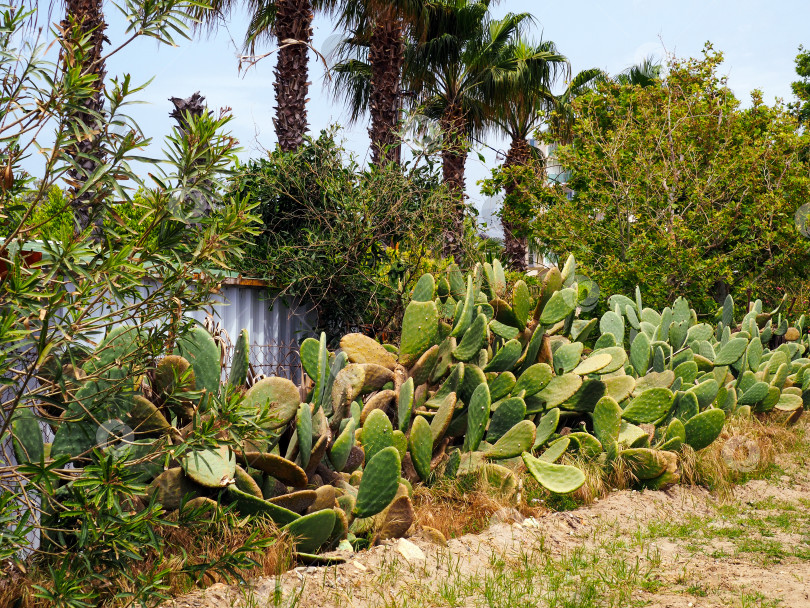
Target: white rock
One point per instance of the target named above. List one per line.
(359, 566)
(409, 551)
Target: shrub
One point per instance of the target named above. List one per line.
(346, 239)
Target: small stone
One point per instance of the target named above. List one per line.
(409, 551)
(432, 535)
(531, 522)
(506, 515)
(359, 566)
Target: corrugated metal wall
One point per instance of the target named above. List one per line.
(276, 326)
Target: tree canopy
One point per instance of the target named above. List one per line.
(681, 189)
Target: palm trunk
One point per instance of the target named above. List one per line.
(514, 243)
(293, 30)
(83, 18)
(454, 159)
(386, 56)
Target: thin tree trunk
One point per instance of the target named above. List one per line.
(454, 159)
(386, 56)
(88, 15)
(293, 31)
(514, 243)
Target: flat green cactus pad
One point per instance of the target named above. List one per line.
(518, 439)
(556, 478)
(505, 359)
(731, 352)
(420, 331)
(309, 356)
(405, 404)
(567, 357)
(595, 363)
(477, 417)
(275, 466)
(619, 387)
(421, 370)
(281, 393)
(425, 288)
(546, 427)
(555, 450)
(311, 531)
(377, 433)
(247, 504)
(240, 361)
(339, 452)
(210, 468)
(379, 484)
(472, 340)
(246, 483)
(199, 349)
(420, 444)
(443, 417)
(502, 385)
(560, 389)
(561, 304)
(618, 354)
(508, 413)
(607, 419)
(703, 428)
(533, 380)
(649, 406)
(28, 445)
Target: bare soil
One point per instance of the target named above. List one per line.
(682, 548)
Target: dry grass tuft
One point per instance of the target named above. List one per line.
(464, 506)
(746, 449)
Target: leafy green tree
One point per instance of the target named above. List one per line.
(62, 292)
(681, 190)
(801, 87)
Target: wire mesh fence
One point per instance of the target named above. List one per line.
(275, 359)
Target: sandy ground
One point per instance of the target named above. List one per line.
(749, 551)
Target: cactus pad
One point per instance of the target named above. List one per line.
(362, 349)
(210, 468)
(704, 428)
(518, 439)
(420, 331)
(379, 483)
(420, 444)
(275, 466)
(649, 406)
(199, 349)
(281, 393)
(311, 531)
(558, 479)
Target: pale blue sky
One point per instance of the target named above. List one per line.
(759, 40)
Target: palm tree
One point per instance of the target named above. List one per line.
(83, 32)
(368, 73)
(460, 71)
(644, 74)
(562, 119)
(289, 23)
(529, 98)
